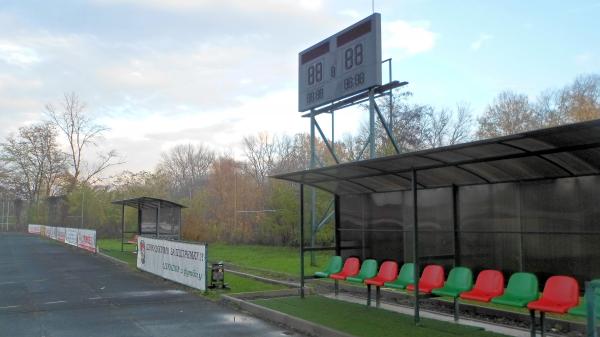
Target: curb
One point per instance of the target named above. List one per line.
(264, 279)
(300, 325)
(113, 259)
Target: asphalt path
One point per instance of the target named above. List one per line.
(52, 290)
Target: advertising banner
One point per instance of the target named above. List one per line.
(33, 229)
(42, 230)
(60, 234)
(86, 239)
(184, 263)
(48, 232)
(71, 236)
(53, 232)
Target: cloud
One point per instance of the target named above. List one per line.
(483, 38)
(408, 37)
(18, 55)
(351, 13)
(264, 6)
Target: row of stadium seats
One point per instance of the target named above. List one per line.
(560, 295)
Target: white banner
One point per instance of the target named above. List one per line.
(53, 233)
(33, 229)
(61, 232)
(184, 263)
(48, 231)
(86, 239)
(71, 236)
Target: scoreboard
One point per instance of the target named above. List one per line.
(341, 65)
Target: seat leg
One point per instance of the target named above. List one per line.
(542, 314)
(456, 310)
(532, 327)
(368, 295)
(336, 287)
(377, 296)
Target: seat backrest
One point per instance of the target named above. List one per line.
(351, 266)
(407, 273)
(460, 278)
(433, 274)
(388, 271)
(562, 290)
(368, 269)
(490, 281)
(335, 265)
(523, 285)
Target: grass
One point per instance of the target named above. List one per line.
(238, 284)
(283, 260)
(361, 321)
(524, 311)
(112, 247)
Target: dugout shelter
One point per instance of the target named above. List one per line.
(524, 202)
(158, 218)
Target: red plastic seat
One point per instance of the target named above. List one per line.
(561, 293)
(432, 278)
(387, 273)
(489, 284)
(351, 268)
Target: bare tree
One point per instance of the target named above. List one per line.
(260, 152)
(548, 111)
(581, 100)
(509, 113)
(81, 133)
(34, 161)
(185, 166)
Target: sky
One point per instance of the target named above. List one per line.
(160, 73)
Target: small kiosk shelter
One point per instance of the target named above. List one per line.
(524, 202)
(155, 217)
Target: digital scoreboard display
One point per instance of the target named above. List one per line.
(343, 64)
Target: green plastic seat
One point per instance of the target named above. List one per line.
(334, 266)
(406, 276)
(581, 309)
(368, 269)
(522, 288)
(460, 279)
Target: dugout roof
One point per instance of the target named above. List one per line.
(148, 202)
(565, 151)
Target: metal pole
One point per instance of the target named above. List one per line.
(416, 243)
(371, 124)
(2, 212)
(336, 209)
(333, 134)
(157, 220)
(82, 201)
(456, 225)
(301, 240)
(591, 310)
(179, 223)
(391, 97)
(313, 198)
(532, 327)
(542, 314)
(122, 225)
